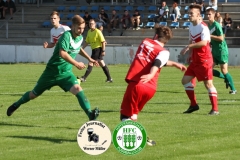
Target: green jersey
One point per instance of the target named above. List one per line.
(217, 46)
(56, 64)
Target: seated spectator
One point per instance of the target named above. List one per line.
(219, 18)
(87, 18)
(125, 20)
(135, 19)
(9, 7)
(113, 22)
(213, 4)
(2, 5)
(162, 12)
(99, 26)
(201, 2)
(103, 17)
(227, 23)
(175, 12)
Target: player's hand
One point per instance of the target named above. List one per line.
(184, 50)
(103, 53)
(146, 78)
(95, 63)
(45, 44)
(181, 67)
(80, 65)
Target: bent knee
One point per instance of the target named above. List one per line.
(32, 95)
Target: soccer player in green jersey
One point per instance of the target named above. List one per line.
(219, 51)
(58, 71)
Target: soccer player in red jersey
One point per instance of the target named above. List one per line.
(201, 61)
(142, 76)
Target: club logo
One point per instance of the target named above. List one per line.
(129, 137)
(94, 137)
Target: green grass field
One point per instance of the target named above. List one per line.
(46, 128)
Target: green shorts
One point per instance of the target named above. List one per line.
(220, 59)
(47, 81)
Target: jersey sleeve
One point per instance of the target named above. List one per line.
(64, 41)
(66, 28)
(101, 38)
(205, 35)
(219, 30)
(51, 37)
(163, 56)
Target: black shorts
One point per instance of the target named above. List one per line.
(97, 54)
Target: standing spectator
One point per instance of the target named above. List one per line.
(125, 20)
(201, 3)
(57, 30)
(9, 7)
(136, 19)
(213, 4)
(201, 65)
(219, 18)
(58, 71)
(162, 12)
(98, 45)
(2, 5)
(142, 76)
(219, 51)
(87, 18)
(113, 22)
(227, 23)
(103, 17)
(175, 13)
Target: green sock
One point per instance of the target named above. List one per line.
(218, 74)
(24, 99)
(84, 103)
(229, 79)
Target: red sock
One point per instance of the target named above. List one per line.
(192, 97)
(213, 98)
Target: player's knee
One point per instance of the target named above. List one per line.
(32, 95)
(75, 89)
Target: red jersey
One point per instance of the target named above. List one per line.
(146, 54)
(199, 33)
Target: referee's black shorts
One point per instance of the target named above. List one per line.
(97, 54)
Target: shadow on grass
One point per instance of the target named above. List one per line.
(62, 110)
(18, 125)
(12, 94)
(50, 139)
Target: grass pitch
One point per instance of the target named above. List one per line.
(46, 128)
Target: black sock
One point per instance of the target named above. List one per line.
(106, 71)
(88, 71)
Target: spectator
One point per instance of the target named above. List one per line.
(175, 13)
(9, 7)
(87, 18)
(125, 20)
(103, 17)
(213, 4)
(113, 22)
(201, 3)
(135, 19)
(2, 4)
(227, 23)
(144, 2)
(162, 12)
(219, 18)
(99, 26)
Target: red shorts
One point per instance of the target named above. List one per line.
(135, 97)
(201, 71)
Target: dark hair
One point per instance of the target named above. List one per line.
(77, 20)
(196, 6)
(163, 33)
(86, 12)
(211, 10)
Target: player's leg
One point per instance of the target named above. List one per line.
(228, 78)
(104, 66)
(217, 73)
(69, 83)
(45, 82)
(212, 92)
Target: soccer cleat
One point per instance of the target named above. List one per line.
(233, 92)
(94, 114)
(82, 79)
(109, 80)
(11, 109)
(192, 109)
(137, 28)
(134, 29)
(150, 142)
(212, 112)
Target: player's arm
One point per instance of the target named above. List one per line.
(159, 61)
(84, 45)
(85, 55)
(177, 65)
(68, 58)
(219, 35)
(198, 44)
(48, 45)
